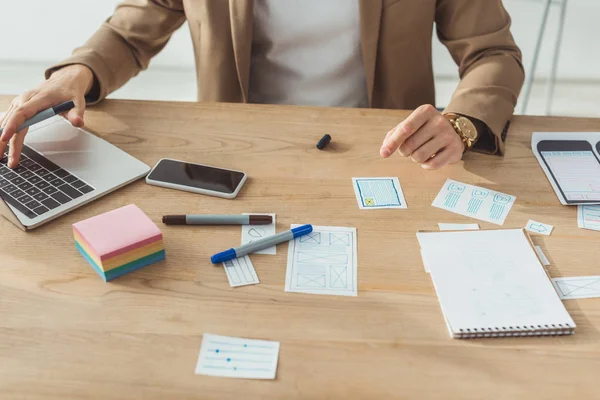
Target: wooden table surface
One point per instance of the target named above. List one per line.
(64, 333)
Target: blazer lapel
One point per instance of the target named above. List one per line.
(242, 15)
(370, 19)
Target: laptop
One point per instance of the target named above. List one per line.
(62, 168)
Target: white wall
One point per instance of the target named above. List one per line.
(45, 31)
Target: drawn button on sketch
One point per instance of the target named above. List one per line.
(480, 194)
(453, 187)
(369, 201)
(501, 199)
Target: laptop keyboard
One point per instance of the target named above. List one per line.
(38, 185)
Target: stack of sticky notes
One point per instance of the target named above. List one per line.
(119, 241)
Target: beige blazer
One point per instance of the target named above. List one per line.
(396, 38)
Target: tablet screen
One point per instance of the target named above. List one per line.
(576, 172)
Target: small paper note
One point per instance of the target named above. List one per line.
(323, 262)
(588, 217)
(577, 287)
(372, 193)
(542, 256)
(458, 227)
(538, 227)
(237, 358)
(240, 272)
(251, 233)
(473, 201)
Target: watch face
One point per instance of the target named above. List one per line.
(467, 128)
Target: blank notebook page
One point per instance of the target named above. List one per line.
(492, 281)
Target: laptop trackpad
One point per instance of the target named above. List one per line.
(83, 154)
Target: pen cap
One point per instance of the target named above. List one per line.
(223, 256)
(61, 108)
(302, 230)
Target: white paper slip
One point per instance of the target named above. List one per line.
(588, 217)
(458, 227)
(240, 272)
(251, 233)
(425, 267)
(538, 227)
(323, 262)
(473, 201)
(577, 287)
(372, 193)
(542, 256)
(237, 358)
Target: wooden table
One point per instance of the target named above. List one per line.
(64, 333)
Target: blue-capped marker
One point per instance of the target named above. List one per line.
(261, 244)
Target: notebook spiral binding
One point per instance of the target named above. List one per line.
(514, 331)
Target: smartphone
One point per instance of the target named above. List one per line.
(196, 178)
(574, 167)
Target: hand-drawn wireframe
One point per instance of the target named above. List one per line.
(342, 239)
(473, 201)
(240, 272)
(324, 263)
(577, 287)
(313, 237)
(380, 192)
(321, 258)
(237, 357)
(338, 277)
(588, 217)
(455, 190)
(311, 280)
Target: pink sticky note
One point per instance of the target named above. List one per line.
(117, 231)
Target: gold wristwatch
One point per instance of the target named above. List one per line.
(465, 128)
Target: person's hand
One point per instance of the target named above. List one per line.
(69, 83)
(427, 137)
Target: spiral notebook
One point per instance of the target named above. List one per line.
(491, 283)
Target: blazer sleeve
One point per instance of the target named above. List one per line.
(477, 35)
(125, 43)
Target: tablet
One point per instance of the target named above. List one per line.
(572, 164)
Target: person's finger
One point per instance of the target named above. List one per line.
(416, 140)
(23, 112)
(449, 155)
(3, 120)
(75, 115)
(16, 145)
(428, 149)
(406, 128)
(6, 115)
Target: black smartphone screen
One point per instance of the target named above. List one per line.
(574, 167)
(196, 176)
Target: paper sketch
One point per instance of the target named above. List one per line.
(476, 202)
(323, 262)
(240, 272)
(373, 193)
(237, 358)
(577, 287)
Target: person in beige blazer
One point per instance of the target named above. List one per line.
(378, 55)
